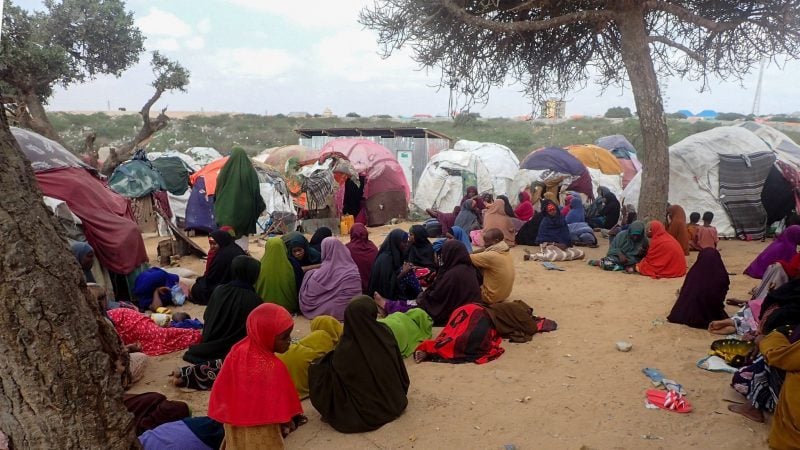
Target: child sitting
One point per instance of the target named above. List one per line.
(706, 236)
(693, 226)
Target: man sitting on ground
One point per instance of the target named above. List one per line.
(497, 266)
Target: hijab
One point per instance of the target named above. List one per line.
(623, 243)
(524, 211)
(447, 220)
(362, 384)
(495, 217)
(296, 239)
(254, 387)
(409, 329)
(363, 251)
(277, 283)
(507, 206)
(461, 236)
(456, 284)
(325, 334)
(237, 200)
(388, 263)
(567, 205)
(318, 236)
(80, 250)
(576, 212)
(665, 258)
(329, 289)
(702, 296)
(553, 228)
(219, 271)
(226, 315)
(466, 219)
(420, 253)
(677, 227)
(781, 249)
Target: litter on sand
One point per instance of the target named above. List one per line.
(551, 266)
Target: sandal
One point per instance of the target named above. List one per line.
(669, 400)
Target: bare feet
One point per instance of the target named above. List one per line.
(723, 327)
(420, 356)
(749, 411)
(736, 302)
(381, 303)
(176, 378)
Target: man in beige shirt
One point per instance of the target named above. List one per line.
(497, 266)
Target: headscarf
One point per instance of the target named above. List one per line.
(237, 200)
(576, 212)
(409, 329)
(388, 263)
(420, 253)
(495, 217)
(677, 227)
(457, 283)
(623, 243)
(611, 209)
(507, 206)
(781, 249)
(702, 296)
(363, 251)
(325, 334)
(80, 250)
(553, 229)
(461, 236)
(329, 289)
(218, 271)
(253, 387)
(524, 211)
(466, 219)
(148, 281)
(296, 239)
(567, 205)
(362, 384)
(447, 220)
(226, 315)
(665, 258)
(318, 236)
(277, 283)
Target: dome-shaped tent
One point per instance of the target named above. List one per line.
(603, 167)
(277, 157)
(203, 155)
(501, 162)
(446, 177)
(625, 153)
(557, 161)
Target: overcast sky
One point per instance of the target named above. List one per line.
(271, 56)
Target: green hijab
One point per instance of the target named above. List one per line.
(237, 201)
(409, 329)
(276, 283)
(623, 243)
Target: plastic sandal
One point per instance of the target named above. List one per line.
(669, 400)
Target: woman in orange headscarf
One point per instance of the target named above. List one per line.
(677, 226)
(495, 217)
(665, 258)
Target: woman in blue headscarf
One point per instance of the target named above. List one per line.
(457, 234)
(576, 212)
(84, 253)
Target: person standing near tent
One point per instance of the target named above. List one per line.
(238, 202)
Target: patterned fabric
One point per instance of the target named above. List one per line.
(552, 253)
(741, 180)
(760, 383)
(200, 376)
(793, 177)
(133, 326)
(318, 186)
(469, 336)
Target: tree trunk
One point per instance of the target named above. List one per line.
(58, 389)
(644, 83)
(35, 118)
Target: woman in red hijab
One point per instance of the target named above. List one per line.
(254, 397)
(665, 258)
(363, 252)
(677, 226)
(524, 210)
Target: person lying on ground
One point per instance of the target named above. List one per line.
(468, 336)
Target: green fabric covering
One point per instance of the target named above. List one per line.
(623, 244)
(174, 172)
(136, 179)
(409, 329)
(276, 283)
(237, 201)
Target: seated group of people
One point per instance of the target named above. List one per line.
(769, 381)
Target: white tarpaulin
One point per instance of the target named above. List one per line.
(446, 177)
(501, 162)
(203, 155)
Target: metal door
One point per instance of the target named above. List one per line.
(405, 158)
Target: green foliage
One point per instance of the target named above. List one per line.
(675, 115)
(730, 116)
(467, 119)
(169, 75)
(352, 114)
(618, 112)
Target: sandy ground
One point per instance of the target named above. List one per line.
(584, 394)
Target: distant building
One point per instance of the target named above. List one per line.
(327, 113)
(553, 109)
(422, 116)
(686, 113)
(298, 114)
(707, 114)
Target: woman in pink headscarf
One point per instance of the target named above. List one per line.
(363, 252)
(329, 289)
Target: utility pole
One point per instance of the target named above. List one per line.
(757, 98)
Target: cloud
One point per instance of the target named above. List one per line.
(310, 13)
(258, 63)
(195, 43)
(204, 26)
(168, 45)
(158, 22)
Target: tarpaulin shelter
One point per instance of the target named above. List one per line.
(200, 208)
(385, 189)
(203, 155)
(604, 168)
(175, 168)
(209, 172)
(501, 162)
(551, 161)
(625, 153)
(139, 180)
(188, 160)
(277, 157)
(446, 177)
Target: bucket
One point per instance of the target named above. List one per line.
(346, 223)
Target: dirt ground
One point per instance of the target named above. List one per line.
(584, 394)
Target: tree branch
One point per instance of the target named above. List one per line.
(688, 16)
(527, 26)
(670, 43)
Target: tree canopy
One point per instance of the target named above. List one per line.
(618, 112)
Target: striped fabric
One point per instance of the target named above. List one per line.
(741, 180)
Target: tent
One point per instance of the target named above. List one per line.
(555, 162)
(385, 188)
(203, 155)
(722, 170)
(603, 167)
(502, 163)
(175, 170)
(277, 157)
(446, 177)
(188, 160)
(209, 172)
(625, 153)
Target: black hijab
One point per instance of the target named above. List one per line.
(420, 253)
(226, 315)
(219, 271)
(610, 211)
(456, 284)
(362, 384)
(787, 294)
(702, 297)
(507, 206)
(387, 265)
(318, 236)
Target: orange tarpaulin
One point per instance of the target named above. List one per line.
(210, 173)
(596, 157)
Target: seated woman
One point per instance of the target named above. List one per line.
(783, 248)
(84, 254)
(409, 329)
(153, 289)
(608, 216)
(391, 278)
(302, 257)
(626, 250)
(554, 237)
(702, 296)
(191, 433)
(420, 251)
(363, 251)
(227, 311)
(665, 258)
(446, 220)
(318, 236)
(277, 281)
(328, 290)
(677, 226)
(782, 351)
(469, 336)
(253, 396)
(218, 269)
(581, 234)
(456, 234)
(362, 384)
(134, 327)
(524, 211)
(576, 212)
(467, 218)
(496, 217)
(325, 333)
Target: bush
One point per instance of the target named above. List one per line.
(730, 116)
(618, 112)
(675, 115)
(352, 114)
(466, 119)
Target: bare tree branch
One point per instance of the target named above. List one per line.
(686, 50)
(524, 26)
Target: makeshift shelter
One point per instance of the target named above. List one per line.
(555, 165)
(722, 170)
(625, 153)
(203, 155)
(141, 182)
(385, 188)
(501, 162)
(209, 172)
(603, 167)
(277, 157)
(446, 177)
(188, 160)
(176, 172)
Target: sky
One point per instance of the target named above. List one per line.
(279, 56)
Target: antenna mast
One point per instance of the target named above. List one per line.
(757, 98)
